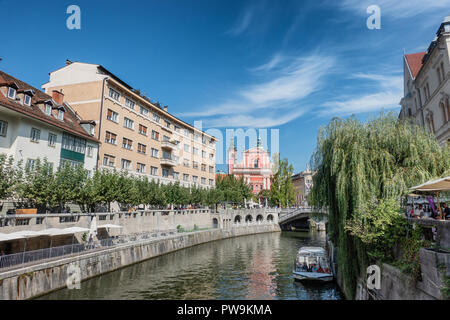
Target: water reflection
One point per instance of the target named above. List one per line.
(250, 267)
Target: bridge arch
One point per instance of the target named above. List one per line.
(215, 223)
(269, 217)
(237, 219)
(248, 218)
(259, 218)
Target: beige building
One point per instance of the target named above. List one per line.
(302, 182)
(426, 100)
(136, 134)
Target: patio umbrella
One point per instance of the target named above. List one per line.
(434, 187)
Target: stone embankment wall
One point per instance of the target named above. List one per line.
(41, 278)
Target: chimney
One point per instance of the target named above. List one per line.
(68, 62)
(58, 97)
(165, 108)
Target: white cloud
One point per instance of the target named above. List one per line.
(243, 22)
(272, 102)
(397, 8)
(390, 91)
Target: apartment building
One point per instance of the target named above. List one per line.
(35, 125)
(426, 99)
(136, 134)
(302, 182)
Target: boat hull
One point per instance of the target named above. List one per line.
(313, 276)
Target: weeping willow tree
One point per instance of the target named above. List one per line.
(359, 163)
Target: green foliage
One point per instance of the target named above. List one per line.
(358, 162)
(282, 190)
(232, 190)
(7, 176)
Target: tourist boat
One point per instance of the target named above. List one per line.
(312, 264)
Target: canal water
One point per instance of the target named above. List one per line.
(248, 267)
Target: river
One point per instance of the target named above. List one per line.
(248, 267)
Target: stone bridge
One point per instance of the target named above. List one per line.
(228, 218)
(298, 217)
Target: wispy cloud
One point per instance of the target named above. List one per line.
(397, 8)
(280, 97)
(388, 95)
(243, 22)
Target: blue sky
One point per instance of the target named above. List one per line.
(286, 65)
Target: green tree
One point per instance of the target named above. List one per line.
(282, 189)
(8, 176)
(359, 163)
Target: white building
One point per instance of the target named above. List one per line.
(426, 98)
(35, 125)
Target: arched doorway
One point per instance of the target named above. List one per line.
(237, 219)
(248, 218)
(215, 223)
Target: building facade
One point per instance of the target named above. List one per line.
(34, 125)
(255, 167)
(426, 100)
(136, 134)
(302, 182)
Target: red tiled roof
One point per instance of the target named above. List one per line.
(71, 121)
(414, 61)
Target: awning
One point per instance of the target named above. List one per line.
(57, 232)
(434, 186)
(9, 237)
(112, 226)
(47, 232)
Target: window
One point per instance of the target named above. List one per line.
(155, 135)
(211, 169)
(48, 109)
(185, 177)
(187, 133)
(195, 137)
(72, 143)
(30, 164)
(142, 148)
(112, 115)
(176, 175)
(166, 138)
(153, 171)
(195, 150)
(140, 168)
(110, 137)
(256, 163)
(203, 154)
(155, 153)
(204, 167)
(186, 163)
(114, 94)
(211, 182)
(12, 93)
(167, 124)
(194, 179)
(51, 139)
(156, 117)
(126, 164)
(108, 160)
(61, 114)
(203, 180)
(187, 148)
(127, 143)
(204, 140)
(438, 70)
(3, 128)
(176, 128)
(194, 164)
(211, 156)
(27, 100)
(442, 71)
(128, 123)
(167, 155)
(90, 151)
(129, 103)
(142, 129)
(143, 111)
(165, 173)
(35, 134)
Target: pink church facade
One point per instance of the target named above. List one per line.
(255, 167)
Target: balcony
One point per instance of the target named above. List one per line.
(168, 161)
(168, 145)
